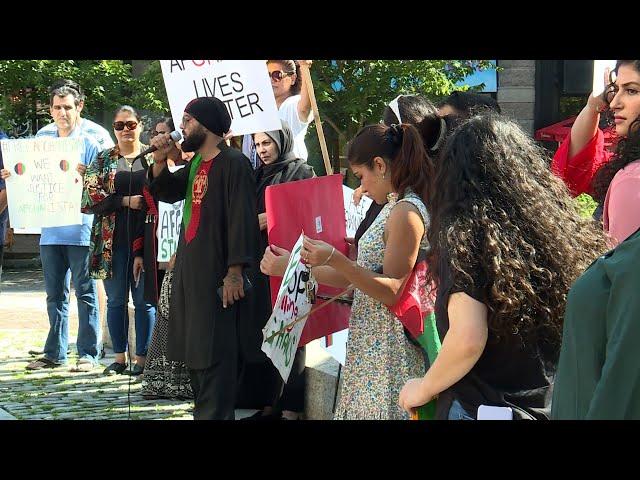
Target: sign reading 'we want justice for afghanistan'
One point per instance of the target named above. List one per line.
(44, 189)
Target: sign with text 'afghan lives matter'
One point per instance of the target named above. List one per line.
(242, 85)
(44, 189)
(169, 223)
(295, 297)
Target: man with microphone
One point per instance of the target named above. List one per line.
(211, 327)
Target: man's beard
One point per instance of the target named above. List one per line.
(194, 141)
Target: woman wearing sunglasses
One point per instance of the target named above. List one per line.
(113, 192)
(294, 106)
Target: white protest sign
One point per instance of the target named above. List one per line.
(44, 189)
(169, 223)
(599, 67)
(242, 85)
(297, 293)
(354, 214)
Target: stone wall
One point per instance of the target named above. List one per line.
(516, 90)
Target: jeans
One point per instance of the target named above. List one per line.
(56, 262)
(457, 412)
(117, 288)
(1, 256)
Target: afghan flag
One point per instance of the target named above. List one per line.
(415, 310)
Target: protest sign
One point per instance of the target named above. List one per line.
(44, 189)
(306, 205)
(599, 67)
(242, 85)
(295, 297)
(169, 223)
(354, 214)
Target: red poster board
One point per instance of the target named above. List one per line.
(316, 207)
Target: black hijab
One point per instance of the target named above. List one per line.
(286, 168)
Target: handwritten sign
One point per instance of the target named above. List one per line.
(169, 222)
(242, 85)
(44, 189)
(354, 214)
(296, 294)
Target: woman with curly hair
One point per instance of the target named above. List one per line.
(613, 179)
(507, 243)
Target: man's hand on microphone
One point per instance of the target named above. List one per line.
(163, 142)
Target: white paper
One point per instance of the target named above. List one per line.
(292, 303)
(354, 214)
(169, 224)
(486, 412)
(243, 85)
(599, 67)
(44, 189)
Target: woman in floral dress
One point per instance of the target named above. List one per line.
(393, 167)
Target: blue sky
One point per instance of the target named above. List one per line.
(488, 77)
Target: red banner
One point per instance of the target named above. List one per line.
(316, 207)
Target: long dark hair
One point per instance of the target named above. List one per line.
(627, 149)
(402, 148)
(501, 218)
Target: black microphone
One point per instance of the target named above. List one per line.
(176, 136)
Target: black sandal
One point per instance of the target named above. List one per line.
(115, 369)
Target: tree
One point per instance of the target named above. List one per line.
(24, 96)
(353, 93)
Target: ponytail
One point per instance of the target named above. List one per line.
(411, 167)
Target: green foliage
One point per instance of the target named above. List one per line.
(586, 205)
(107, 84)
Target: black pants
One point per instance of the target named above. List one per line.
(214, 390)
(292, 396)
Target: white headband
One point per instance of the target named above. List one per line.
(393, 105)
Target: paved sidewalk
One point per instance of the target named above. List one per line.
(59, 393)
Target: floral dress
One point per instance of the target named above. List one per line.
(380, 358)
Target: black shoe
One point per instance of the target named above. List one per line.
(136, 370)
(102, 353)
(259, 417)
(115, 369)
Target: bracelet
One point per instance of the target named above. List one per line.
(329, 257)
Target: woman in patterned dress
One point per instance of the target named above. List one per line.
(164, 378)
(394, 168)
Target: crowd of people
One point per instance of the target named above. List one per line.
(534, 304)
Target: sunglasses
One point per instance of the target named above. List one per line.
(131, 125)
(278, 75)
(155, 133)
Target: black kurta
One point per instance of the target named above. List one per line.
(201, 331)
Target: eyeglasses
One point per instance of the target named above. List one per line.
(131, 125)
(278, 75)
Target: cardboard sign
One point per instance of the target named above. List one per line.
(315, 207)
(44, 189)
(242, 85)
(294, 300)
